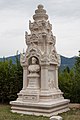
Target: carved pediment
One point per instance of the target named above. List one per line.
(33, 50)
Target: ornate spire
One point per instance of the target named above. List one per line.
(40, 13)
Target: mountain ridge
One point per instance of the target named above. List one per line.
(65, 61)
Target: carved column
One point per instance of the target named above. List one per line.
(56, 75)
(24, 77)
(44, 77)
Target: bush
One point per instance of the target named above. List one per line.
(10, 80)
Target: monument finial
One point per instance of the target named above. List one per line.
(40, 13)
(40, 6)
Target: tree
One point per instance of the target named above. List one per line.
(10, 79)
(5, 76)
(65, 82)
(16, 79)
(76, 84)
(69, 82)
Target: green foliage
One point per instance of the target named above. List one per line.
(76, 89)
(69, 82)
(10, 80)
(66, 78)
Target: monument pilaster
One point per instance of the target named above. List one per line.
(44, 77)
(56, 74)
(25, 72)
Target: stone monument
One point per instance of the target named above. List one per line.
(40, 94)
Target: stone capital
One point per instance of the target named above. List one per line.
(44, 64)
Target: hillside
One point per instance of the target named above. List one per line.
(67, 62)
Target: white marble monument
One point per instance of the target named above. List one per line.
(40, 94)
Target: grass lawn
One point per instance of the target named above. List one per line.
(5, 114)
(73, 114)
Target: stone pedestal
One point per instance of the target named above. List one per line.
(33, 81)
(40, 94)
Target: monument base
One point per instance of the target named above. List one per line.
(40, 108)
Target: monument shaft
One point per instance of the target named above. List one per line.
(40, 94)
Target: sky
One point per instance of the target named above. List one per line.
(64, 15)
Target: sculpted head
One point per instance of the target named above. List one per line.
(34, 60)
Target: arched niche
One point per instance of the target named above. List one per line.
(33, 51)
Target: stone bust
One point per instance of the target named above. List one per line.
(34, 67)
